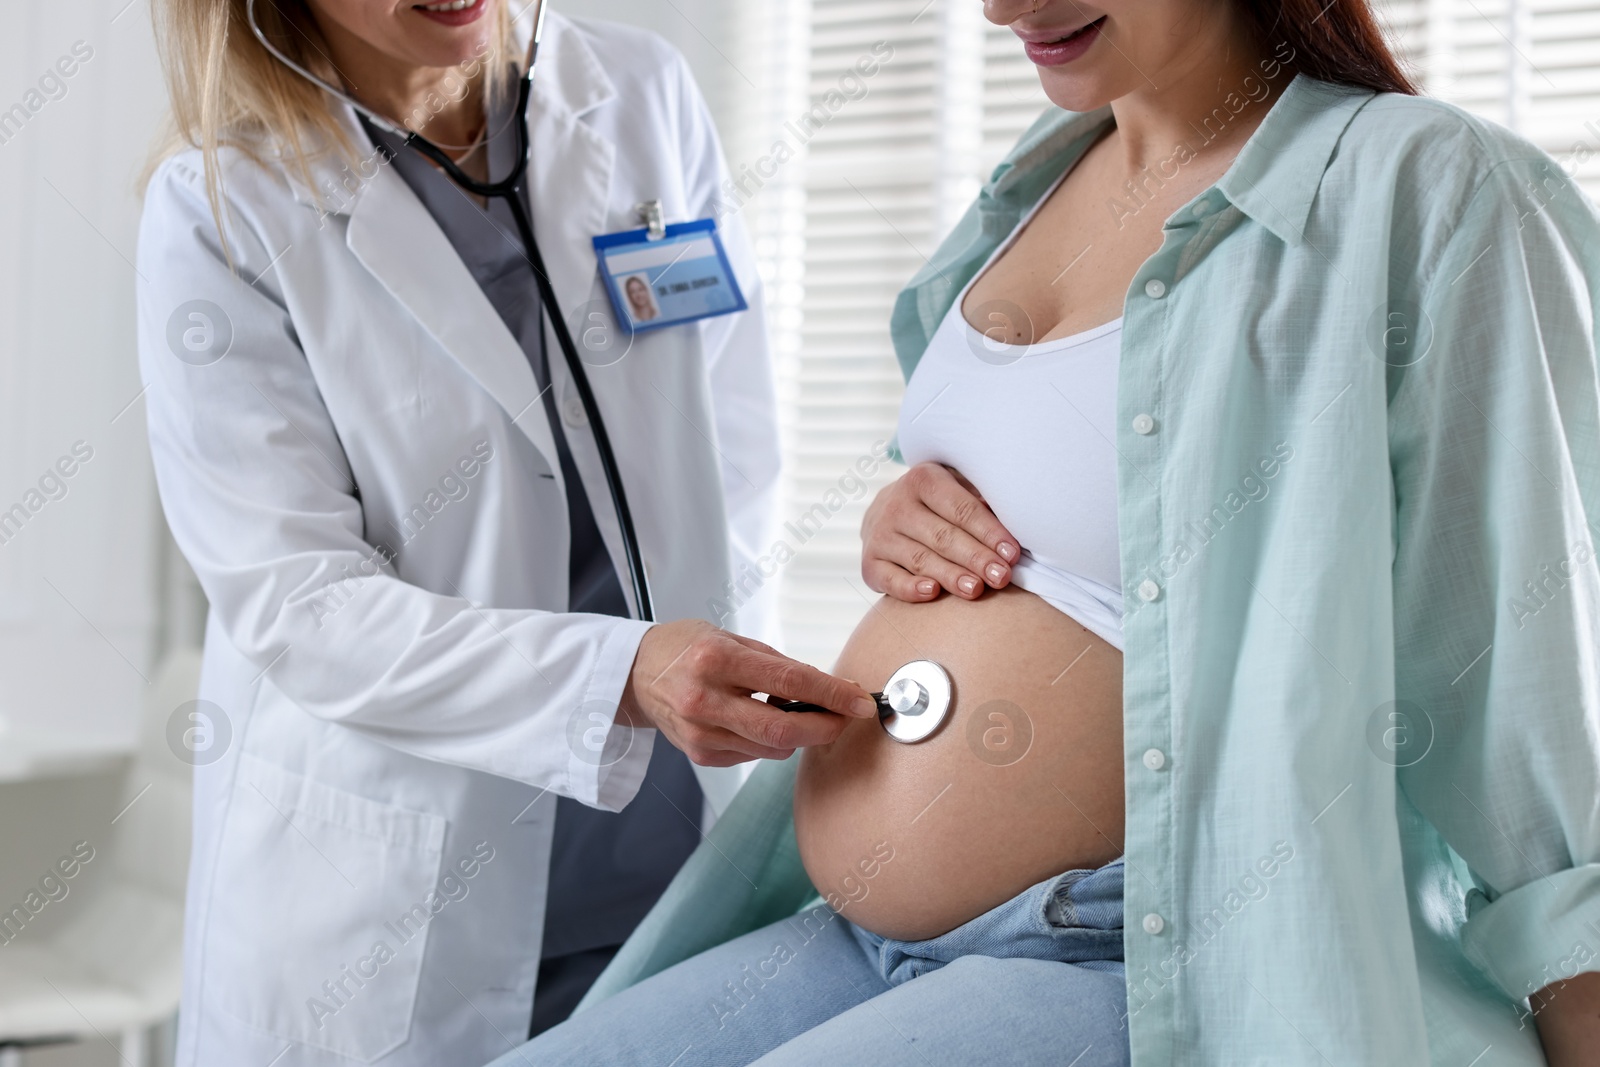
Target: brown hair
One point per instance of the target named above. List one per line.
(1339, 41)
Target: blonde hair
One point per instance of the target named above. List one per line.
(226, 89)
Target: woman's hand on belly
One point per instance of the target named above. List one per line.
(930, 529)
(1023, 780)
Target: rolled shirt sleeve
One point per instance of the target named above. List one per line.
(1494, 423)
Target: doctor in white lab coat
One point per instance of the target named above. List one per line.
(354, 455)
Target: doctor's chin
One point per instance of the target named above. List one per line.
(776, 533)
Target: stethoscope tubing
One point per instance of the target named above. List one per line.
(509, 189)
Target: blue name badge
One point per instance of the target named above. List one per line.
(677, 278)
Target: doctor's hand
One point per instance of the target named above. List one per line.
(693, 682)
(931, 528)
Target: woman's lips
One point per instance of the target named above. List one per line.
(449, 15)
(1056, 53)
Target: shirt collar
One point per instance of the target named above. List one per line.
(1277, 173)
(1274, 179)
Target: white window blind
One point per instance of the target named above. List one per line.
(892, 159)
(896, 110)
(871, 189)
(1532, 65)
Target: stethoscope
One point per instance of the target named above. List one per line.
(917, 697)
(913, 703)
(509, 189)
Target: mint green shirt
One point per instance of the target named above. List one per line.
(1359, 441)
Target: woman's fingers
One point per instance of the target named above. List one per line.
(954, 550)
(926, 563)
(884, 576)
(932, 524)
(965, 483)
(983, 542)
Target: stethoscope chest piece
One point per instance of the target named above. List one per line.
(915, 701)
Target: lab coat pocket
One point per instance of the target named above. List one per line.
(320, 912)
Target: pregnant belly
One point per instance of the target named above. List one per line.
(1022, 781)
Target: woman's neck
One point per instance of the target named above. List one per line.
(1211, 100)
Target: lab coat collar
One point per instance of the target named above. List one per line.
(570, 80)
(398, 241)
(568, 83)
(391, 232)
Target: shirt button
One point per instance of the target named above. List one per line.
(1148, 590)
(1154, 759)
(1143, 423)
(1154, 924)
(1155, 288)
(1202, 209)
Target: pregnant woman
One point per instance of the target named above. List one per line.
(1253, 418)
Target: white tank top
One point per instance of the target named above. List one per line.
(1031, 426)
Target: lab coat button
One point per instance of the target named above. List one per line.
(1148, 590)
(1154, 759)
(1155, 288)
(1143, 423)
(572, 411)
(1154, 924)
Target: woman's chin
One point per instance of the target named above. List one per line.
(1080, 90)
(436, 47)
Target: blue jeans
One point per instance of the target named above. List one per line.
(1037, 980)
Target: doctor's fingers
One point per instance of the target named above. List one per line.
(765, 726)
(704, 724)
(759, 646)
(724, 729)
(717, 746)
(762, 669)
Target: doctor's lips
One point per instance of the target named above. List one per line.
(1052, 48)
(453, 12)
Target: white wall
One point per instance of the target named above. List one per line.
(705, 31)
(76, 581)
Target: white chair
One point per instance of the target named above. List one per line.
(113, 968)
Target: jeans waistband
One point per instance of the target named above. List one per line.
(1073, 917)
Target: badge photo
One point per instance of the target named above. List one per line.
(681, 276)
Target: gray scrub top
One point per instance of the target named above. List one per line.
(606, 868)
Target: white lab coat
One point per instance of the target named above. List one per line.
(370, 852)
